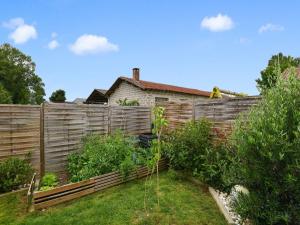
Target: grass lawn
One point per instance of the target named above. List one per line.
(181, 202)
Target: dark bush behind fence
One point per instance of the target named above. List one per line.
(51, 131)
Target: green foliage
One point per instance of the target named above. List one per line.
(14, 173)
(216, 167)
(18, 76)
(49, 181)
(5, 97)
(103, 154)
(216, 93)
(159, 124)
(269, 75)
(192, 150)
(268, 153)
(187, 144)
(58, 96)
(126, 102)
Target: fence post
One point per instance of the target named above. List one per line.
(42, 143)
(193, 111)
(109, 119)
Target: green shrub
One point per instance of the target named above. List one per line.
(268, 151)
(187, 144)
(49, 181)
(216, 165)
(193, 150)
(14, 172)
(103, 154)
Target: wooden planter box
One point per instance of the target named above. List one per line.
(45, 199)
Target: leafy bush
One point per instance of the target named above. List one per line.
(193, 150)
(187, 144)
(268, 152)
(14, 172)
(49, 181)
(126, 102)
(216, 166)
(103, 154)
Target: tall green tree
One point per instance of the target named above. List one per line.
(269, 75)
(18, 76)
(58, 96)
(5, 97)
(267, 143)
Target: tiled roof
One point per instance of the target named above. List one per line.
(147, 85)
(101, 91)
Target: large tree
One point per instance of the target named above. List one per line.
(269, 74)
(5, 97)
(18, 76)
(58, 96)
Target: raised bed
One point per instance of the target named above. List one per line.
(44, 199)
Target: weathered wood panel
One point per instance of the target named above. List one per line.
(177, 114)
(64, 127)
(66, 124)
(130, 119)
(45, 199)
(223, 112)
(20, 132)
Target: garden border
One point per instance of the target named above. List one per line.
(45, 199)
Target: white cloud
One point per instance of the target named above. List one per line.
(53, 44)
(217, 23)
(23, 34)
(22, 31)
(270, 27)
(92, 44)
(13, 23)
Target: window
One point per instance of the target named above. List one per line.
(160, 99)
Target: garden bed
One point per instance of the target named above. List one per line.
(45, 199)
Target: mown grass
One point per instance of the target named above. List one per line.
(180, 203)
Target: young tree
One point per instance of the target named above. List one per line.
(5, 97)
(58, 96)
(18, 76)
(269, 76)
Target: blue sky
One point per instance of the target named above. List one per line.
(197, 44)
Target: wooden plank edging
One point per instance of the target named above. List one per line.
(45, 199)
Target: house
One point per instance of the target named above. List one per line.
(97, 97)
(150, 93)
(79, 100)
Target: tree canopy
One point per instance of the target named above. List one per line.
(269, 75)
(18, 76)
(58, 96)
(5, 97)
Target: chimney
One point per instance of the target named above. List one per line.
(136, 74)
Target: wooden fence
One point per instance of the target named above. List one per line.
(177, 114)
(66, 124)
(223, 112)
(51, 131)
(20, 132)
(44, 199)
